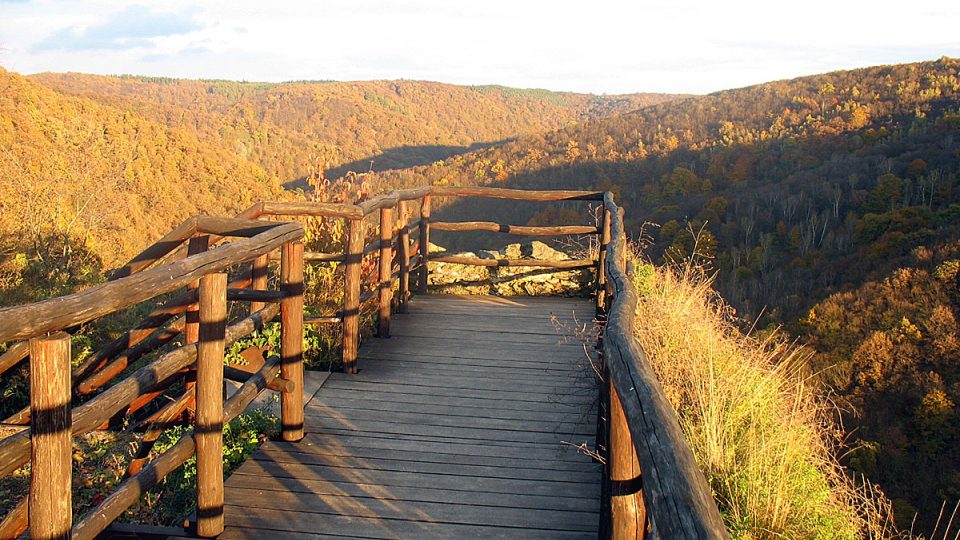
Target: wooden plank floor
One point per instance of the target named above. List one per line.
(461, 425)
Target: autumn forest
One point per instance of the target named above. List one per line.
(826, 207)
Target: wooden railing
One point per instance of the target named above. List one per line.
(401, 248)
(652, 484)
(38, 330)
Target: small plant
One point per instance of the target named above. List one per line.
(175, 496)
(321, 346)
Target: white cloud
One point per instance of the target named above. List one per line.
(603, 46)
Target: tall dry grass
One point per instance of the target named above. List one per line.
(764, 438)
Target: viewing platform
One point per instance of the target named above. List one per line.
(465, 417)
(472, 432)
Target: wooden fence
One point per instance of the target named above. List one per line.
(670, 499)
(198, 365)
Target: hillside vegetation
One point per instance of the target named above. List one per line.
(85, 185)
(93, 168)
(829, 204)
(290, 127)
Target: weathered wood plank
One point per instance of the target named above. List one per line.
(545, 385)
(452, 346)
(517, 194)
(494, 337)
(577, 490)
(545, 453)
(426, 398)
(350, 526)
(353, 416)
(563, 356)
(502, 372)
(548, 397)
(347, 406)
(446, 453)
(531, 263)
(504, 434)
(517, 326)
(324, 488)
(483, 364)
(374, 507)
(513, 229)
(492, 366)
(355, 463)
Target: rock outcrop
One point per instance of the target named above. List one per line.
(450, 278)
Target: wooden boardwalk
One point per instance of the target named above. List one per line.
(462, 424)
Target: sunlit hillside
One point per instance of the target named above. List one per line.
(289, 127)
(829, 204)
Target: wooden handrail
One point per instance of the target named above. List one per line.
(533, 263)
(678, 500)
(17, 323)
(517, 194)
(512, 229)
(170, 241)
(349, 211)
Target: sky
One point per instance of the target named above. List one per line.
(596, 46)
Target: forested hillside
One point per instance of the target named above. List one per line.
(288, 128)
(94, 168)
(84, 185)
(829, 204)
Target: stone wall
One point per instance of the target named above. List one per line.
(448, 278)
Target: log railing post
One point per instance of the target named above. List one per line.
(291, 340)
(51, 441)
(385, 279)
(258, 279)
(191, 330)
(627, 510)
(351, 295)
(621, 247)
(424, 245)
(191, 327)
(208, 430)
(602, 259)
(403, 247)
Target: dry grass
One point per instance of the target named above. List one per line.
(765, 440)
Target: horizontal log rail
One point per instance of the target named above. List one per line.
(512, 229)
(22, 322)
(251, 295)
(645, 436)
(533, 263)
(517, 194)
(328, 319)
